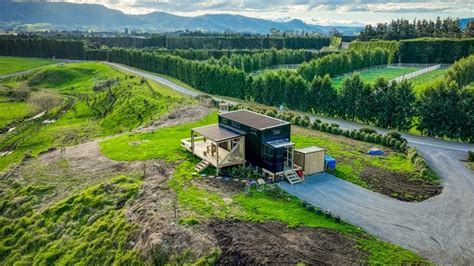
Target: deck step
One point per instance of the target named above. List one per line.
(293, 178)
(202, 165)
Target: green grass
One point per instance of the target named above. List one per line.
(10, 65)
(134, 103)
(12, 111)
(422, 82)
(371, 75)
(160, 144)
(351, 155)
(86, 228)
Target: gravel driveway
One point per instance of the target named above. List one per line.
(440, 228)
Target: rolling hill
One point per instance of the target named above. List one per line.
(87, 16)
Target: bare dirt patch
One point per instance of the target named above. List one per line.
(156, 214)
(399, 185)
(248, 243)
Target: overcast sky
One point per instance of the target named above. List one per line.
(311, 11)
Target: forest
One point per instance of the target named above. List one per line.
(308, 87)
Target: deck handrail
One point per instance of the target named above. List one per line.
(231, 152)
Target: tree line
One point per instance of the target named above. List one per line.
(447, 108)
(422, 50)
(404, 29)
(213, 42)
(40, 47)
(444, 110)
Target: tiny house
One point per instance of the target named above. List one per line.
(244, 136)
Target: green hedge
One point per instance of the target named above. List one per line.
(431, 50)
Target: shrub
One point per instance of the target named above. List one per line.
(366, 137)
(323, 126)
(334, 125)
(398, 144)
(357, 135)
(394, 134)
(318, 121)
(329, 129)
(352, 134)
(392, 142)
(378, 139)
(315, 126)
(335, 130)
(368, 130)
(470, 156)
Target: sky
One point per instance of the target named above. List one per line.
(323, 12)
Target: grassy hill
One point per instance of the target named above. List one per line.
(9, 65)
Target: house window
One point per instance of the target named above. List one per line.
(225, 121)
(276, 132)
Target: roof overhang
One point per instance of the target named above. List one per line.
(217, 133)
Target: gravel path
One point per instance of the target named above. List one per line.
(440, 228)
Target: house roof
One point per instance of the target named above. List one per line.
(310, 149)
(253, 119)
(216, 133)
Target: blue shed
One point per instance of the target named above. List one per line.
(329, 162)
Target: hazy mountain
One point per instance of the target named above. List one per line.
(463, 22)
(83, 16)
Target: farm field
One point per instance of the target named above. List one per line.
(422, 82)
(9, 65)
(371, 75)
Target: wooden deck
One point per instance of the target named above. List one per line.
(201, 148)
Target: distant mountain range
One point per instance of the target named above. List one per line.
(71, 16)
(463, 22)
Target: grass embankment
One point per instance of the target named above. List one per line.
(105, 102)
(10, 65)
(371, 75)
(88, 227)
(202, 204)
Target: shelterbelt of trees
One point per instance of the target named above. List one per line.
(246, 59)
(309, 88)
(391, 105)
(403, 29)
(422, 50)
(203, 41)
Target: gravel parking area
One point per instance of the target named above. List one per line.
(440, 228)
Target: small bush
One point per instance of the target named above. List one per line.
(391, 142)
(366, 137)
(329, 129)
(357, 135)
(378, 139)
(470, 156)
(334, 125)
(395, 135)
(335, 131)
(368, 130)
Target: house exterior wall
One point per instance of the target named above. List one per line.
(255, 139)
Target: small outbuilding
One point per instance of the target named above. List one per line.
(376, 151)
(310, 159)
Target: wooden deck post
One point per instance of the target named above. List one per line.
(192, 141)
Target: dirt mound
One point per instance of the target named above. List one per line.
(155, 214)
(399, 185)
(244, 243)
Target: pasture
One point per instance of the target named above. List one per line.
(371, 75)
(10, 65)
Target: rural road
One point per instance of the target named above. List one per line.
(440, 228)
